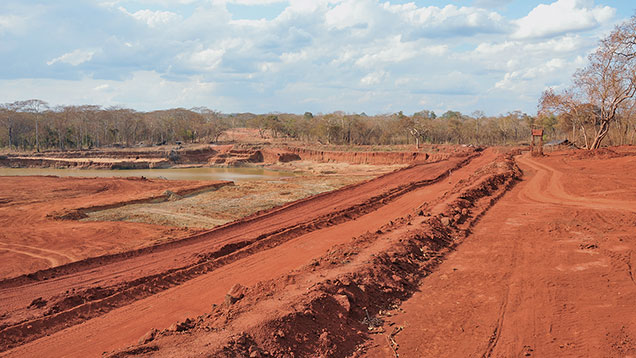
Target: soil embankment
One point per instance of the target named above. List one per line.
(210, 155)
(374, 269)
(97, 287)
(363, 157)
(327, 304)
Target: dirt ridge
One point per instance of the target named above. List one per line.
(305, 324)
(127, 292)
(80, 213)
(92, 262)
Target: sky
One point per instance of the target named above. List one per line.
(262, 56)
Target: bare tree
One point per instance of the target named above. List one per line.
(36, 107)
(609, 81)
(571, 110)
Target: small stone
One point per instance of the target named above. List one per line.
(148, 337)
(445, 221)
(343, 301)
(37, 303)
(236, 293)
(240, 340)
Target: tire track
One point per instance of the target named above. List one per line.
(66, 258)
(547, 187)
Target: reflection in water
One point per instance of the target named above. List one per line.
(234, 174)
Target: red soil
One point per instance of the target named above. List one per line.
(376, 158)
(374, 269)
(548, 271)
(33, 237)
(228, 154)
(214, 260)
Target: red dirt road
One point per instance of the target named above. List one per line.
(296, 233)
(548, 272)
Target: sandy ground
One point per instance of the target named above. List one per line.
(231, 203)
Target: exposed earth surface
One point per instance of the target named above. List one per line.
(449, 251)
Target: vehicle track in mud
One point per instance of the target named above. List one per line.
(143, 272)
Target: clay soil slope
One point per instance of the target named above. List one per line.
(101, 304)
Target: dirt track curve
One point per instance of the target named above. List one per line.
(109, 302)
(548, 272)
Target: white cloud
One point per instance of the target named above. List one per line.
(11, 22)
(153, 18)
(294, 57)
(562, 16)
(203, 59)
(144, 90)
(450, 20)
(351, 13)
(374, 78)
(73, 58)
(319, 55)
(393, 51)
(517, 80)
(491, 3)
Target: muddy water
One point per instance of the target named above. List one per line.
(234, 174)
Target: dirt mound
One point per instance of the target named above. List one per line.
(378, 158)
(276, 155)
(333, 305)
(223, 155)
(601, 153)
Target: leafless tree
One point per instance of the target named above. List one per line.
(609, 80)
(36, 107)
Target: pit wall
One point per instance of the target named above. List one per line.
(221, 155)
(377, 158)
(80, 164)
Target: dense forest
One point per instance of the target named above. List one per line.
(32, 125)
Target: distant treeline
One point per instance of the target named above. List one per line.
(33, 125)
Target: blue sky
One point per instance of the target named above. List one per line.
(372, 56)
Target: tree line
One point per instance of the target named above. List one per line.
(599, 107)
(33, 125)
